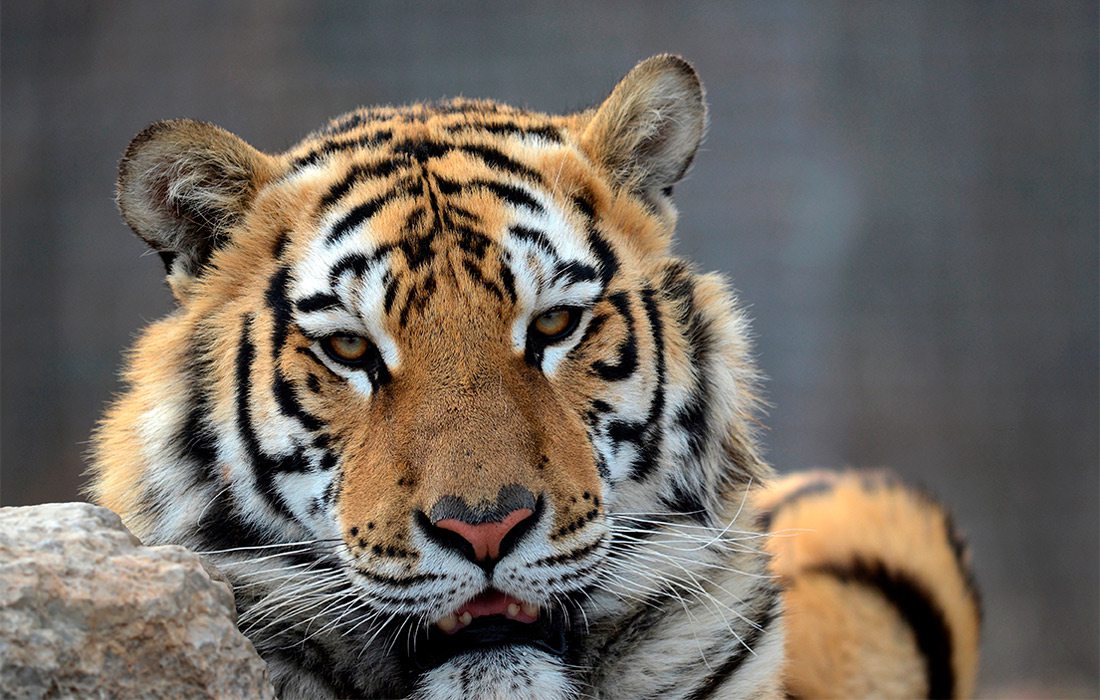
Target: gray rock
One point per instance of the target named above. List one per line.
(87, 611)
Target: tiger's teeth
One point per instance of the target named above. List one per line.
(448, 623)
(513, 610)
(530, 609)
(465, 618)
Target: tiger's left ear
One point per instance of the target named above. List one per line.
(646, 133)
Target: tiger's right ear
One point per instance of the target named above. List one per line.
(182, 185)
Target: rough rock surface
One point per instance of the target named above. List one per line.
(87, 611)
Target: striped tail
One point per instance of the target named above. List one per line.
(879, 597)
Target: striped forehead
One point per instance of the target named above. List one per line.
(382, 225)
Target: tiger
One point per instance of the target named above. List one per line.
(454, 421)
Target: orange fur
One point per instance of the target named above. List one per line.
(845, 637)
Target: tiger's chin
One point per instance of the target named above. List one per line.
(494, 646)
(498, 673)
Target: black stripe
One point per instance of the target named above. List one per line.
(391, 292)
(330, 147)
(289, 405)
(406, 307)
(627, 361)
(463, 213)
(264, 467)
(575, 271)
(417, 251)
(281, 242)
(714, 680)
(651, 449)
(647, 434)
(281, 387)
(874, 480)
(687, 503)
(427, 290)
(196, 440)
(512, 194)
(570, 556)
(308, 352)
(398, 582)
(356, 263)
(594, 327)
(916, 605)
(414, 219)
(423, 150)
(508, 128)
(609, 263)
(438, 221)
(358, 173)
(678, 285)
(499, 161)
(476, 275)
(508, 280)
(364, 211)
(321, 301)
(536, 237)
(583, 203)
(693, 417)
(221, 526)
(471, 240)
(280, 309)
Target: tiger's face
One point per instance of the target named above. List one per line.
(442, 345)
(433, 349)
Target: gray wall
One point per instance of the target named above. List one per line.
(905, 193)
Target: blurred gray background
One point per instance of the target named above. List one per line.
(904, 192)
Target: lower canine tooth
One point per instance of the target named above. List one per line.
(448, 623)
(513, 610)
(530, 610)
(465, 618)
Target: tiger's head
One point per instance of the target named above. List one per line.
(436, 366)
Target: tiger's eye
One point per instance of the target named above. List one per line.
(347, 348)
(557, 323)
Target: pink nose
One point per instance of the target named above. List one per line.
(486, 537)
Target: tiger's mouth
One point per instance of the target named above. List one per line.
(491, 602)
(490, 619)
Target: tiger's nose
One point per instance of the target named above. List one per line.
(484, 533)
(490, 541)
